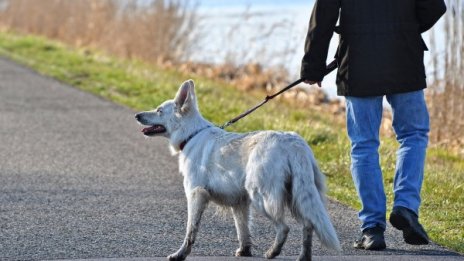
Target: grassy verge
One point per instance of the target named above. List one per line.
(141, 86)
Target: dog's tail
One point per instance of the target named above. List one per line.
(308, 196)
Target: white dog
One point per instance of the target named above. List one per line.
(267, 169)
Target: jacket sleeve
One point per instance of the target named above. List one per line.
(428, 12)
(321, 28)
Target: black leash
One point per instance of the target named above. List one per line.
(329, 68)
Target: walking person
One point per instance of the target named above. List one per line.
(380, 53)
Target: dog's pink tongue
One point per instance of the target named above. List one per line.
(149, 129)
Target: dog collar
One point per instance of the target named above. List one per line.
(182, 144)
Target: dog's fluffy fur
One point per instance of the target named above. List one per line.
(268, 170)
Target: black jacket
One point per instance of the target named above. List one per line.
(381, 50)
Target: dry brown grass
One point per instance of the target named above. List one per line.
(446, 95)
(164, 32)
(158, 32)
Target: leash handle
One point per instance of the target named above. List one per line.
(329, 68)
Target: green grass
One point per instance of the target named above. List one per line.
(142, 86)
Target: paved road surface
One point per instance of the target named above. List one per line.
(79, 181)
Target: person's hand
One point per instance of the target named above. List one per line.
(313, 82)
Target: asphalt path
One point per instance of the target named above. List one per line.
(79, 181)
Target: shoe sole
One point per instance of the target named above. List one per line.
(411, 235)
(372, 246)
(376, 247)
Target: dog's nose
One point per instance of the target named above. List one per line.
(137, 116)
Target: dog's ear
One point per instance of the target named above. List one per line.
(185, 97)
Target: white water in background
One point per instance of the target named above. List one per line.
(269, 32)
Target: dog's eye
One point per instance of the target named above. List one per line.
(159, 111)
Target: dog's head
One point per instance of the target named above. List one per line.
(169, 117)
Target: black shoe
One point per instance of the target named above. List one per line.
(371, 239)
(407, 221)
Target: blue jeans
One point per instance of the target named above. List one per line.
(411, 125)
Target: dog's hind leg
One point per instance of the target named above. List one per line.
(276, 212)
(197, 201)
(281, 236)
(305, 254)
(241, 217)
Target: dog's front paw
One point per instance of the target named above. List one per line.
(245, 251)
(176, 257)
